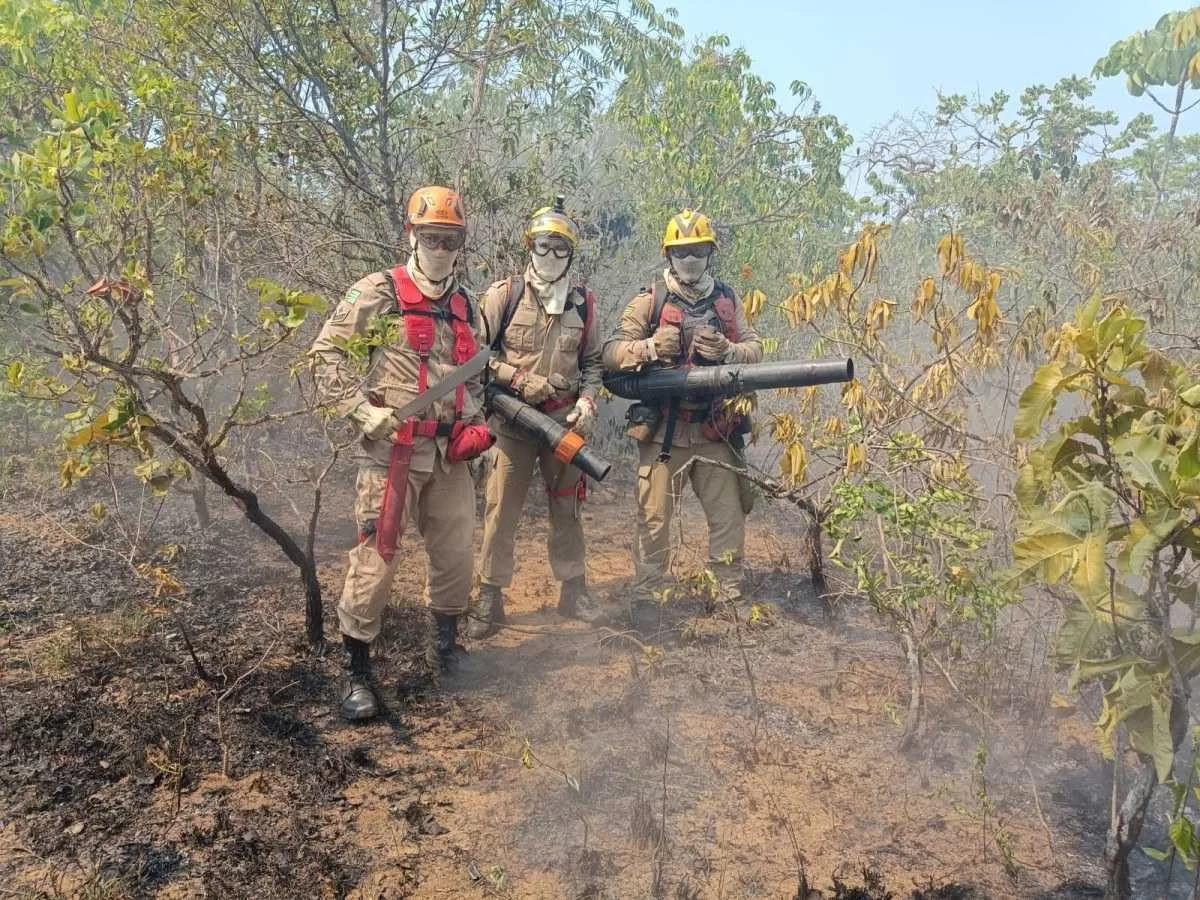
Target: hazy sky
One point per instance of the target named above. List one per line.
(868, 59)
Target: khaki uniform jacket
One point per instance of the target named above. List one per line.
(626, 350)
(370, 309)
(538, 342)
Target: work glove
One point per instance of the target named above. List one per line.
(376, 422)
(582, 418)
(666, 343)
(710, 344)
(536, 389)
(469, 443)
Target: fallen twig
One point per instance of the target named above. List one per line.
(229, 692)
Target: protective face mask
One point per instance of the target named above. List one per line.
(436, 265)
(548, 268)
(690, 269)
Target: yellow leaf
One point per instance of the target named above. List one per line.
(833, 427)
(1187, 29)
(753, 302)
(971, 276)
(985, 313)
(925, 294)
(808, 402)
(852, 394)
(794, 463)
(784, 428)
(848, 259)
(856, 457)
(878, 315)
(949, 252)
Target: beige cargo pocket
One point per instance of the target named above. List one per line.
(521, 334)
(568, 341)
(368, 487)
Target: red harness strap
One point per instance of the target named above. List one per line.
(671, 313)
(578, 490)
(420, 330)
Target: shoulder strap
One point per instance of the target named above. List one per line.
(660, 300)
(585, 305)
(516, 289)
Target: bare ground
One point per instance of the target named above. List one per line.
(738, 753)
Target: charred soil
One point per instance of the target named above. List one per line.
(187, 745)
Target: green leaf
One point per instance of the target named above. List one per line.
(1163, 747)
(15, 370)
(1191, 396)
(1187, 463)
(1143, 461)
(1038, 399)
(1086, 316)
(1183, 835)
(1082, 638)
(1092, 669)
(1146, 534)
(1086, 510)
(1185, 645)
(1090, 577)
(1047, 556)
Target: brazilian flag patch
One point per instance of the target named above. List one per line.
(351, 295)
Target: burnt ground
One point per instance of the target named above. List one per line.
(736, 753)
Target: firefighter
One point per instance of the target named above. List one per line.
(548, 354)
(687, 317)
(418, 324)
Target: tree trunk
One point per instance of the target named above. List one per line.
(816, 558)
(200, 503)
(1124, 830)
(913, 722)
(248, 501)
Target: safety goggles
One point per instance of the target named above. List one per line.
(543, 246)
(698, 251)
(450, 239)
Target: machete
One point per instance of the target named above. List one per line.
(389, 526)
(461, 374)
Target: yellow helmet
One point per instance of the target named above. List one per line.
(552, 220)
(689, 226)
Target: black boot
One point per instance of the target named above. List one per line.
(358, 699)
(489, 610)
(443, 652)
(576, 601)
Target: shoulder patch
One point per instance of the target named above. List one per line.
(351, 295)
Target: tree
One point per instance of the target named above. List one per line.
(1166, 56)
(705, 131)
(1109, 519)
(183, 197)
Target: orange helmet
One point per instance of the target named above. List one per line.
(434, 205)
